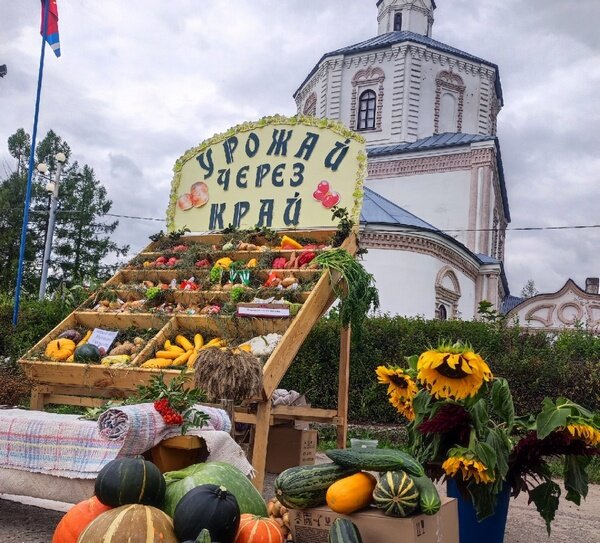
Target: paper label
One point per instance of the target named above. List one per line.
(258, 310)
(103, 339)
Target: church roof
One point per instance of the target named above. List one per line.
(391, 38)
(445, 140)
(379, 210)
(509, 303)
(432, 3)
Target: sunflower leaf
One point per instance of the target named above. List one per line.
(480, 416)
(576, 478)
(551, 417)
(546, 497)
(484, 501)
(498, 441)
(503, 402)
(487, 455)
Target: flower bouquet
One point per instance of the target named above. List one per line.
(462, 426)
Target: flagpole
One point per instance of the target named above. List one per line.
(30, 171)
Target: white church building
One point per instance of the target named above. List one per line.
(436, 207)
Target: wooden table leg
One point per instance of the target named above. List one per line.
(38, 397)
(343, 388)
(261, 440)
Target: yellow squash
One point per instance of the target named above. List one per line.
(351, 493)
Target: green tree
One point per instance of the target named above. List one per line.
(82, 236)
(529, 290)
(81, 239)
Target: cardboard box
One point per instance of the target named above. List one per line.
(289, 447)
(312, 525)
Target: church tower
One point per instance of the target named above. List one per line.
(406, 16)
(435, 192)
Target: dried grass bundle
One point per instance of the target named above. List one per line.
(227, 373)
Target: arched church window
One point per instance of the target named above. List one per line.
(397, 22)
(366, 110)
(448, 113)
(447, 294)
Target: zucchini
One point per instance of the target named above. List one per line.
(429, 499)
(303, 487)
(377, 460)
(344, 531)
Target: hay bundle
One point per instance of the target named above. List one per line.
(230, 374)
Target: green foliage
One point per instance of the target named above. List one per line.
(535, 365)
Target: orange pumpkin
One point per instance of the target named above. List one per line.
(351, 493)
(60, 349)
(254, 529)
(77, 519)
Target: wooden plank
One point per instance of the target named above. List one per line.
(80, 401)
(187, 443)
(343, 388)
(304, 412)
(261, 441)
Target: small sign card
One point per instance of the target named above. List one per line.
(263, 310)
(103, 339)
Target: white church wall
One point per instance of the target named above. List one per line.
(406, 283)
(437, 198)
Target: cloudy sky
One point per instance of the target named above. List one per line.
(141, 81)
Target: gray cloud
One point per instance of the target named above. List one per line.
(139, 83)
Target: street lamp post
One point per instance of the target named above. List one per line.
(52, 188)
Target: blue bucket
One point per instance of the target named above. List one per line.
(490, 530)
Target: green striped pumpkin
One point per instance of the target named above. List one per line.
(344, 531)
(133, 523)
(396, 493)
(303, 487)
(130, 480)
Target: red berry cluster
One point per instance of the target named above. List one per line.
(169, 415)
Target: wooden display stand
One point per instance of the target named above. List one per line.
(91, 385)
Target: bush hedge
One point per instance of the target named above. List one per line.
(536, 364)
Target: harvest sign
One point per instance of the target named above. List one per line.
(278, 173)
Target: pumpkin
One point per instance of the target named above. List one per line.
(130, 524)
(351, 493)
(76, 520)
(209, 507)
(254, 529)
(87, 353)
(60, 349)
(130, 480)
(396, 493)
(179, 483)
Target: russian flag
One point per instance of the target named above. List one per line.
(51, 33)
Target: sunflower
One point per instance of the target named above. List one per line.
(399, 382)
(453, 371)
(586, 433)
(468, 467)
(403, 405)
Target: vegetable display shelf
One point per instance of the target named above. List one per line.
(92, 384)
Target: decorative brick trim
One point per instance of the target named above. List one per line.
(310, 105)
(431, 164)
(450, 82)
(416, 244)
(363, 80)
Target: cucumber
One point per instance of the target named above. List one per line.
(429, 499)
(344, 531)
(304, 487)
(377, 460)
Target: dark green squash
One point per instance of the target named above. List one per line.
(429, 499)
(344, 531)
(87, 353)
(130, 480)
(396, 493)
(207, 507)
